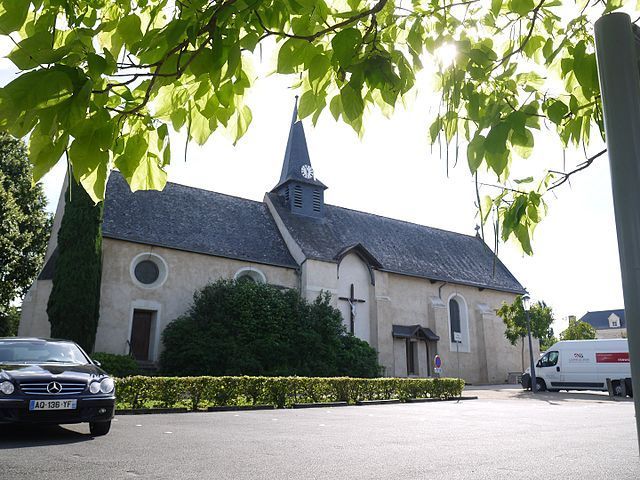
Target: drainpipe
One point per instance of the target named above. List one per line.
(440, 289)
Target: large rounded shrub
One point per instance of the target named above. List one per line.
(246, 328)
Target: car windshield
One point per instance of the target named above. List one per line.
(12, 352)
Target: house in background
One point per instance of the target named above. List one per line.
(608, 323)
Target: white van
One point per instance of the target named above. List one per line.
(583, 365)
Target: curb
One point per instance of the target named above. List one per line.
(149, 411)
(426, 400)
(320, 405)
(236, 408)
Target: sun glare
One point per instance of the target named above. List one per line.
(446, 54)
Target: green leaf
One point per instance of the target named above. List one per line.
(290, 55)
(475, 152)
(352, 103)
(522, 141)
(45, 153)
(496, 141)
(496, 5)
(141, 169)
(345, 46)
(240, 123)
(199, 128)
(556, 111)
(521, 7)
(318, 69)
(36, 50)
(307, 104)
(96, 64)
(335, 107)
(90, 167)
(13, 14)
(523, 236)
(129, 29)
(520, 181)
(487, 205)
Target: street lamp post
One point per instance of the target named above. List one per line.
(526, 305)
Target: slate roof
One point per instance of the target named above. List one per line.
(194, 220)
(400, 247)
(600, 320)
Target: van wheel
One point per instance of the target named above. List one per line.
(616, 386)
(98, 429)
(540, 385)
(627, 382)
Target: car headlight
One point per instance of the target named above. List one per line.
(94, 387)
(7, 388)
(107, 385)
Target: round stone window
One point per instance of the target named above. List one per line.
(147, 272)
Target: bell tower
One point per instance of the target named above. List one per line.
(303, 194)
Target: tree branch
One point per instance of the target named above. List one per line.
(535, 12)
(566, 175)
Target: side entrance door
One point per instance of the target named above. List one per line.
(140, 334)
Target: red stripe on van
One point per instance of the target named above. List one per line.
(622, 357)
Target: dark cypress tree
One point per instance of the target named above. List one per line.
(74, 302)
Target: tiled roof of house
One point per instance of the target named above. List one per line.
(194, 220)
(600, 320)
(400, 247)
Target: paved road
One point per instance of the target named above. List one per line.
(504, 435)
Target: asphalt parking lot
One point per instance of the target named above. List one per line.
(506, 433)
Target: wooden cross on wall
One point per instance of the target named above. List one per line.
(352, 303)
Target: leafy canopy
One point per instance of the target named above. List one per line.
(246, 328)
(24, 224)
(515, 320)
(578, 330)
(102, 80)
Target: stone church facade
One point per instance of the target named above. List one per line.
(407, 289)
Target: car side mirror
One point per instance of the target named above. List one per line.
(96, 362)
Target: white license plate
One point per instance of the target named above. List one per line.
(52, 404)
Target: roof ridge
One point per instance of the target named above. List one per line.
(190, 187)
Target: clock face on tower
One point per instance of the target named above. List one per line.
(307, 171)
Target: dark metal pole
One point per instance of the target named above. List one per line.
(533, 366)
(620, 89)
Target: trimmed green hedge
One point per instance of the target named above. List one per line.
(201, 392)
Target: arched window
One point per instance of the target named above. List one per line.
(459, 323)
(454, 315)
(250, 274)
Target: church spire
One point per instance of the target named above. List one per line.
(303, 193)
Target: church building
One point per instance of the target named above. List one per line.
(409, 290)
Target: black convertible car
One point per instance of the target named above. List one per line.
(53, 381)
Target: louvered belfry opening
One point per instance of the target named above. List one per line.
(286, 195)
(317, 201)
(297, 196)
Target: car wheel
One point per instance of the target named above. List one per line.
(540, 385)
(629, 387)
(99, 428)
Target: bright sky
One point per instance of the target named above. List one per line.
(394, 171)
